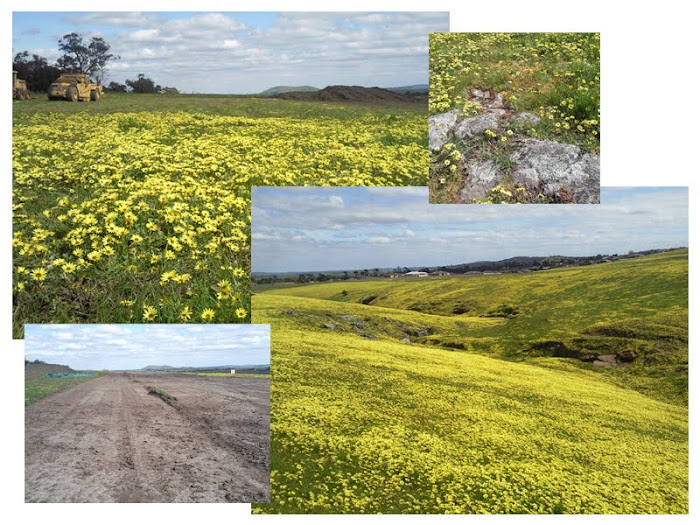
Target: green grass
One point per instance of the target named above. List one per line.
(553, 75)
(39, 386)
(158, 392)
(378, 425)
(225, 105)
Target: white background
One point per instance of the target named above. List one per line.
(649, 118)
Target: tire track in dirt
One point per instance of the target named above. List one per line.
(109, 440)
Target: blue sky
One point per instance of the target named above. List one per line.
(226, 52)
(312, 229)
(124, 346)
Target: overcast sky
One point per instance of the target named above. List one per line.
(313, 229)
(123, 346)
(247, 52)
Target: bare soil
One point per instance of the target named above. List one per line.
(108, 440)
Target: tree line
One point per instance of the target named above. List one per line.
(91, 57)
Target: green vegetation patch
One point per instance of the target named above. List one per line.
(556, 76)
(39, 386)
(154, 391)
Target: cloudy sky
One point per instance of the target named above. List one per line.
(123, 346)
(247, 52)
(313, 229)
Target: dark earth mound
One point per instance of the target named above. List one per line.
(39, 369)
(355, 94)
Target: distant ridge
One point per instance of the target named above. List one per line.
(167, 368)
(414, 88)
(353, 94)
(276, 90)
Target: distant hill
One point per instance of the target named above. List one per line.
(415, 88)
(167, 368)
(276, 90)
(355, 94)
(41, 368)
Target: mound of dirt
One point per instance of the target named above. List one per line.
(355, 94)
(39, 369)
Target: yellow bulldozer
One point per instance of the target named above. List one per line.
(19, 88)
(74, 87)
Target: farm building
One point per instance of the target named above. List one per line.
(416, 274)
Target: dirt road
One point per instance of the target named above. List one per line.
(108, 440)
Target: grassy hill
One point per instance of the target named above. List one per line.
(276, 90)
(373, 412)
(636, 309)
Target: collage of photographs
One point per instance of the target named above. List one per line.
(340, 262)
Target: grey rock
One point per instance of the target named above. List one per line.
(603, 364)
(497, 101)
(470, 127)
(350, 318)
(440, 126)
(405, 340)
(608, 358)
(481, 178)
(499, 113)
(557, 166)
(333, 326)
(526, 119)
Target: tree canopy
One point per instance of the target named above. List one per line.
(79, 56)
(143, 84)
(35, 70)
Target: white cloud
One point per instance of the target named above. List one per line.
(135, 346)
(379, 240)
(216, 52)
(385, 227)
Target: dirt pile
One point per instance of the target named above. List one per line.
(355, 94)
(40, 369)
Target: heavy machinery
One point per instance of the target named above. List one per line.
(74, 87)
(19, 88)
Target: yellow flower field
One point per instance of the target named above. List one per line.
(553, 75)
(144, 216)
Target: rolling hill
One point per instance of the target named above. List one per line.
(276, 90)
(377, 408)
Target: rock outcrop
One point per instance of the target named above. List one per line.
(561, 172)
